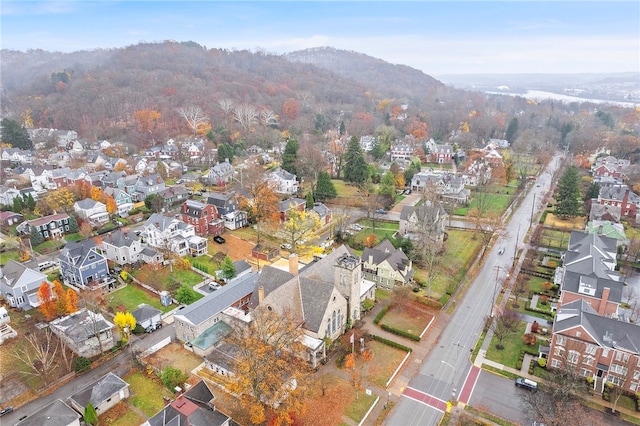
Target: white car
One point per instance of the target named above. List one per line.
(285, 246)
(356, 227)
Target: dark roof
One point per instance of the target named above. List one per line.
(591, 254)
(55, 414)
(145, 312)
(572, 280)
(119, 238)
(270, 279)
(74, 252)
(219, 300)
(100, 391)
(315, 297)
(47, 219)
(224, 355)
(81, 325)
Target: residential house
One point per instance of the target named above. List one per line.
(40, 177)
(596, 347)
(124, 202)
(114, 180)
(193, 320)
(146, 316)
(425, 221)
(59, 159)
(102, 394)
(82, 265)
(386, 265)
(492, 156)
(618, 164)
(220, 174)
(621, 196)
(204, 218)
(168, 233)
(227, 206)
(323, 212)
(19, 285)
(91, 211)
(9, 218)
(441, 154)
(147, 185)
(194, 152)
(499, 143)
(367, 142)
(401, 152)
(608, 229)
(121, 247)
(75, 177)
(606, 170)
(52, 226)
(85, 332)
(57, 413)
(7, 195)
(604, 212)
(284, 182)
(291, 204)
(448, 185)
(174, 195)
(588, 273)
(194, 407)
(151, 256)
(57, 178)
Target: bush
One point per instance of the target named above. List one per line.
(81, 364)
(381, 314)
(367, 305)
(172, 377)
(400, 332)
(542, 362)
(138, 329)
(390, 343)
(416, 289)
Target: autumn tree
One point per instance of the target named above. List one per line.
(503, 325)
(61, 298)
(259, 198)
(72, 301)
(339, 150)
(47, 304)
(300, 226)
(85, 230)
(267, 372)
(125, 322)
(111, 205)
(357, 366)
(310, 162)
(194, 117)
(58, 200)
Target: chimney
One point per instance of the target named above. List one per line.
(293, 263)
(602, 309)
(260, 295)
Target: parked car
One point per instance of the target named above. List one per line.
(381, 211)
(218, 239)
(46, 265)
(356, 227)
(526, 384)
(501, 250)
(153, 327)
(213, 286)
(285, 246)
(6, 410)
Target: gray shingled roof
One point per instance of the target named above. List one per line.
(587, 254)
(119, 238)
(87, 203)
(100, 391)
(270, 279)
(219, 300)
(571, 283)
(145, 312)
(609, 333)
(80, 326)
(55, 414)
(315, 297)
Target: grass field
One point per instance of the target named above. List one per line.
(385, 362)
(410, 317)
(147, 393)
(383, 230)
(121, 415)
(556, 222)
(132, 296)
(555, 238)
(513, 344)
(8, 255)
(359, 407)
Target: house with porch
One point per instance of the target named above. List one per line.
(124, 202)
(121, 247)
(82, 265)
(228, 209)
(102, 394)
(284, 182)
(426, 220)
(203, 216)
(91, 211)
(147, 185)
(52, 226)
(19, 285)
(386, 266)
(220, 174)
(168, 233)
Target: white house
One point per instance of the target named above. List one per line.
(168, 232)
(121, 247)
(92, 211)
(285, 182)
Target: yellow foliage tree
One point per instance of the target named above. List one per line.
(61, 298)
(72, 301)
(111, 205)
(400, 182)
(300, 227)
(125, 322)
(58, 200)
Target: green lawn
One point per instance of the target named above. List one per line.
(359, 407)
(554, 238)
(147, 393)
(408, 318)
(9, 255)
(383, 230)
(131, 296)
(496, 203)
(127, 419)
(344, 189)
(513, 344)
(49, 246)
(382, 294)
(74, 237)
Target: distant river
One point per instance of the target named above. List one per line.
(542, 95)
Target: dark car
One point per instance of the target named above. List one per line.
(153, 327)
(381, 211)
(6, 410)
(218, 239)
(526, 384)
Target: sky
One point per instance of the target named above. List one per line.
(436, 37)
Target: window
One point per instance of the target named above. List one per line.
(619, 369)
(585, 372)
(561, 340)
(589, 360)
(556, 363)
(558, 351)
(591, 349)
(636, 375)
(573, 357)
(633, 386)
(615, 380)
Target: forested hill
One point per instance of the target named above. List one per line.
(98, 92)
(398, 80)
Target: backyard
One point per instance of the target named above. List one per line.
(147, 392)
(163, 278)
(496, 198)
(176, 356)
(513, 344)
(131, 296)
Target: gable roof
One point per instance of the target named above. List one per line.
(219, 300)
(99, 391)
(55, 414)
(120, 238)
(145, 312)
(81, 325)
(75, 252)
(270, 279)
(315, 296)
(15, 274)
(48, 219)
(591, 254)
(573, 282)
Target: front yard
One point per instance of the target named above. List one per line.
(385, 362)
(411, 317)
(513, 344)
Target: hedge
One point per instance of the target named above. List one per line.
(402, 333)
(390, 343)
(381, 314)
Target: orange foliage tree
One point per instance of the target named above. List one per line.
(72, 301)
(96, 193)
(418, 129)
(111, 204)
(47, 304)
(370, 241)
(291, 108)
(61, 298)
(147, 119)
(357, 368)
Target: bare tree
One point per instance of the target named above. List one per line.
(194, 117)
(245, 115)
(268, 118)
(620, 375)
(503, 325)
(310, 162)
(38, 354)
(629, 294)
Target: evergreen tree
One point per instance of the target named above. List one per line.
(388, 186)
(13, 133)
(309, 200)
(31, 203)
(161, 169)
(568, 198)
(325, 190)
(228, 268)
(512, 129)
(290, 156)
(592, 191)
(90, 414)
(226, 152)
(355, 167)
(18, 206)
(342, 128)
(73, 225)
(35, 237)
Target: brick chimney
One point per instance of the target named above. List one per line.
(260, 295)
(293, 263)
(602, 309)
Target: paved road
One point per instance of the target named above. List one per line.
(445, 370)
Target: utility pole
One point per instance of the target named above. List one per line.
(533, 206)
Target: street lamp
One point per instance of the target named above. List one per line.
(453, 372)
